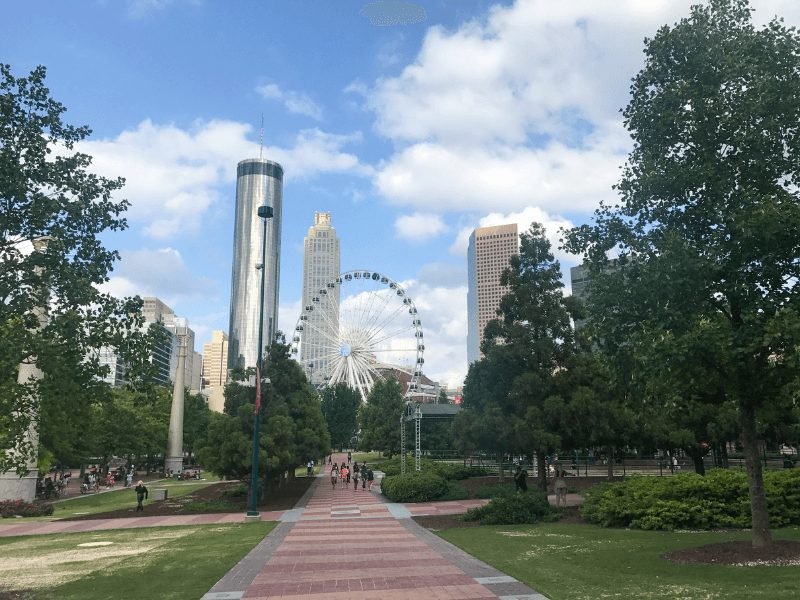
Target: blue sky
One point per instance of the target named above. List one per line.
(411, 135)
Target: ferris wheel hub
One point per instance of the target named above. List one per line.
(345, 350)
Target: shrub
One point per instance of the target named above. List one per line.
(690, 501)
(417, 486)
(494, 491)
(455, 491)
(512, 509)
(239, 491)
(20, 508)
(443, 469)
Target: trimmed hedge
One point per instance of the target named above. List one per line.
(443, 469)
(513, 509)
(417, 486)
(690, 501)
(20, 508)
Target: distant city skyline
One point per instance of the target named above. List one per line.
(411, 135)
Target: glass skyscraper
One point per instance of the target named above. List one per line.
(258, 182)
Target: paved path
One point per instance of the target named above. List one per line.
(350, 545)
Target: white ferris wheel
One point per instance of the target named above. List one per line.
(355, 329)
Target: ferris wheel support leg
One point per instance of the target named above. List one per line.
(403, 442)
(418, 431)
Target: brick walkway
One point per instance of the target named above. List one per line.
(350, 545)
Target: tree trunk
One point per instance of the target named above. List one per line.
(541, 472)
(762, 536)
(724, 460)
(610, 461)
(500, 466)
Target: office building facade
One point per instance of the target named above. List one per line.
(321, 264)
(215, 360)
(489, 250)
(258, 182)
(165, 355)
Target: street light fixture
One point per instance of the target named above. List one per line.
(264, 213)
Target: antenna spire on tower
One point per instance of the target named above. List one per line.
(261, 139)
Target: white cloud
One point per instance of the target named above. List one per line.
(316, 151)
(288, 313)
(520, 107)
(174, 175)
(158, 272)
(296, 103)
(440, 177)
(443, 312)
(530, 214)
(419, 226)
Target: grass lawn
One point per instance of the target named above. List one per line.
(119, 498)
(373, 459)
(583, 562)
(160, 562)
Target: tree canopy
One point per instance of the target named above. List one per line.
(379, 418)
(54, 210)
(292, 425)
(340, 405)
(707, 228)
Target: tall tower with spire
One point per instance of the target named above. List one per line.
(320, 267)
(258, 182)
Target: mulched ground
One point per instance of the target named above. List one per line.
(277, 498)
(781, 553)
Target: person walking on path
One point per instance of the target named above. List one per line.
(349, 457)
(309, 468)
(334, 474)
(141, 494)
(344, 474)
(520, 479)
(370, 478)
(560, 487)
(355, 477)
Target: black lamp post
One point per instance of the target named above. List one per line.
(264, 213)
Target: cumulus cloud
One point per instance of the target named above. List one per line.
(296, 103)
(317, 151)
(437, 176)
(520, 106)
(173, 175)
(443, 312)
(419, 226)
(553, 224)
(158, 272)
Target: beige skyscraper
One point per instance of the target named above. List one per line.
(215, 360)
(487, 257)
(320, 267)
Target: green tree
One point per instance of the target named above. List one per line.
(195, 422)
(380, 417)
(293, 429)
(510, 399)
(49, 196)
(708, 224)
(340, 405)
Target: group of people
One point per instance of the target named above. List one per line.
(345, 474)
